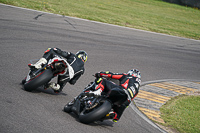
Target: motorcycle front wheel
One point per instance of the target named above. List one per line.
(39, 80)
(96, 114)
(67, 108)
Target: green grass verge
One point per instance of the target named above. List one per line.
(150, 15)
(182, 113)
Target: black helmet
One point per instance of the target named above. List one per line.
(82, 54)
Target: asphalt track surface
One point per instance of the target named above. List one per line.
(26, 34)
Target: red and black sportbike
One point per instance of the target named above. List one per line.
(90, 108)
(39, 77)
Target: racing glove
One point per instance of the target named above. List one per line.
(97, 75)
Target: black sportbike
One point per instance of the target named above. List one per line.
(90, 108)
(39, 77)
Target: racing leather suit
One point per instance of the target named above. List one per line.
(128, 83)
(76, 63)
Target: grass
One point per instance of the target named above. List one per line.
(182, 113)
(150, 15)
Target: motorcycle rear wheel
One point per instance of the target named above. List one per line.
(95, 114)
(39, 80)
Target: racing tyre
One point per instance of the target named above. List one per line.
(96, 113)
(67, 108)
(39, 80)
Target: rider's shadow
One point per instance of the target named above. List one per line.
(47, 91)
(104, 123)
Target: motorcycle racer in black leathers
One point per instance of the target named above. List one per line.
(129, 83)
(74, 70)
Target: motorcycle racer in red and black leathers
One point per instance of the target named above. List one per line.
(74, 70)
(129, 83)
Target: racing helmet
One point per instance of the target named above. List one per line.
(135, 73)
(82, 55)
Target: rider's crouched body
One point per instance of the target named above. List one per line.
(128, 89)
(74, 70)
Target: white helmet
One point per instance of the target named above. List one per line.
(134, 72)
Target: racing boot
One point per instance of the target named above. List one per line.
(38, 64)
(54, 86)
(111, 115)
